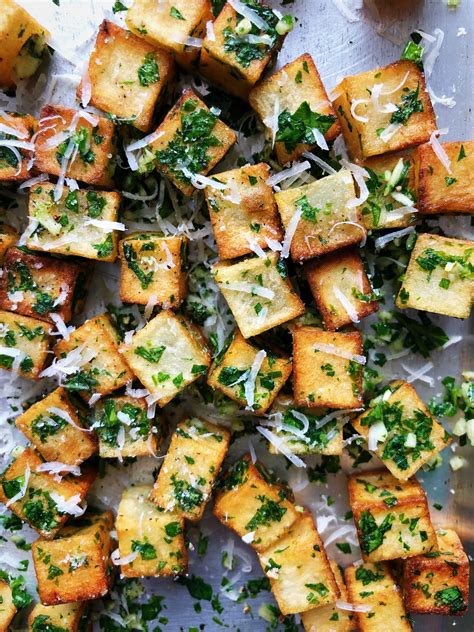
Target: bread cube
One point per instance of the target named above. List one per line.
(7, 607)
(190, 467)
(61, 618)
(251, 505)
(244, 214)
(330, 618)
(324, 222)
(57, 428)
(438, 582)
(439, 277)
(445, 191)
(127, 75)
(391, 516)
(23, 43)
(258, 292)
(401, 431)
(300, 575)
(88, 136)
(191, 141)
(170, 25)
(394, 106)
(124, 429)
(156, 536)
(38, 286)
(341, 289)
(166, 355)
(303, 106)
(76, 565)
(24, 344)
(37, 497)
(237, 361)
(153, 267)
(391, 183)
(15, 161)
(373, 585)
(65, 226)
(8, 238)
(94, 347)
(326, 439)
(327, 368)
(228, 59)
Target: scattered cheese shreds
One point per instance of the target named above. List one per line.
(340, 353)
(346, 304)
(439, 149)
(249, 386)
(290, 232)
(250, 14)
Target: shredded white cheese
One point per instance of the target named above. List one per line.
(249, 386)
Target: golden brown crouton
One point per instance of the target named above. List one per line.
(406, 120)
(439, 276)
(156, 536)
(127, 75)
(258, 292)
(191, 466)
(25, 344)
(341, 289)
(406, 434)
(438, 582)
(327, 368)
(391, 516)
(299, 92)
(442, 190)
(55, 426)
(76, 565)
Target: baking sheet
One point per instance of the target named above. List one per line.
(339, 47)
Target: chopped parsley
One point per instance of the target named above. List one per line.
(145, 549)
(372, 535)
(297, 128)
(451, 597)
(175, 13)
(268, 512)
(150, 354)
(410, 104)
(148, 73)
(308, 212)
(109, 425)
(132, 261)
(105, 248)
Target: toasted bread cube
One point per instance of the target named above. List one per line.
(8, 238)
(38, 505)
(373, 585)
(326, 439)
(169, 25)
(92, 142)
(300, 574)
(153, 267)
(106, 371)
(75, 566)
(410, 435)
(327, 368)
(24, 344)
(323, 215)
(400, 85)
(229, 61)
(20, 129)
(330, 618)
(439, 276)
(190, 132)
(127, 75)
(258, 292)
(445, 191)
(23, 44)
(191, 466)
(341, 289)
(303, 106)
(438, 583)
(7, 607)
(237, 361)
(391, 516)
(38, 286)
(124, 429)
(63, 226)
(47, 424)
(63, 617)
(244, 214)
(166, 355)
(390, 176)
(251, 505)
(156, 536)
